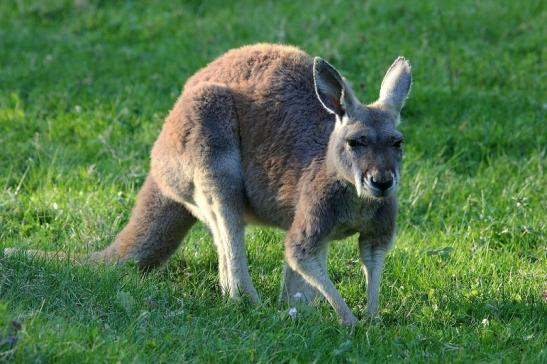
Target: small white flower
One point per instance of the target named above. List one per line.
(297, 296)
(55, 206)
(485, 322)
(78, 109)
(293, 312)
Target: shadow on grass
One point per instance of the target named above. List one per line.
(81, 291)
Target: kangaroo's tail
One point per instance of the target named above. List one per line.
(154, 231)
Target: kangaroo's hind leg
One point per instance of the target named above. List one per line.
(154, 231)
(197, 158)
(219, 198)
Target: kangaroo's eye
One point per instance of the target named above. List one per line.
(355, 143)
(398, 144)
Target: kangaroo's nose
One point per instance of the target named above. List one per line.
(382, 185)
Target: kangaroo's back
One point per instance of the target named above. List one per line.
(283, 128)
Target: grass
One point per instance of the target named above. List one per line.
(84, 87)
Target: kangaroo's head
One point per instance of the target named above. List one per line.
(365, 148)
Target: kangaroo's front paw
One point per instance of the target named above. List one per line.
(373, 312)
(349, 320)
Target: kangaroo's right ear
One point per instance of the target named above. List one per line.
(331, 89)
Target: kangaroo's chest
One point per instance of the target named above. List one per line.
(357, 216)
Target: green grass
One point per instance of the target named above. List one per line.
(84, 86)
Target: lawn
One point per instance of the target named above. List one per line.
(84, 87)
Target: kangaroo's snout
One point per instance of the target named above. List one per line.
(380, 185)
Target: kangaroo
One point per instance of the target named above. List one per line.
(270, 135)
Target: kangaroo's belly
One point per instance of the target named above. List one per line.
(268, 202)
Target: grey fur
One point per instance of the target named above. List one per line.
(249, 140)
(396, 84)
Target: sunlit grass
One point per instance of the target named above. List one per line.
(84, 87)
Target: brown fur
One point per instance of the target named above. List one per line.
(253, 138)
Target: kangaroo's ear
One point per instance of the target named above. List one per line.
(332, 91)
(396, 85)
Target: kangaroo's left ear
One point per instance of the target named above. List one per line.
(396, 85)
